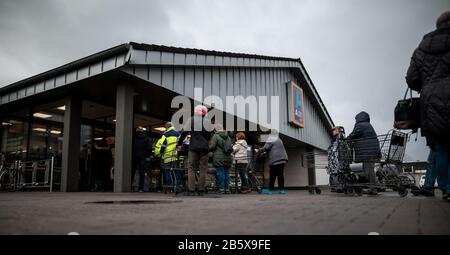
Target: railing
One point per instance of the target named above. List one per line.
(39, 174)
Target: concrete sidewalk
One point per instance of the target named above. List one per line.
(298, 212)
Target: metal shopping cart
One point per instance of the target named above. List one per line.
(347, 176)
(254, 173)
(173, 173)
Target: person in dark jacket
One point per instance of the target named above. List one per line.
(277, 157)
(222, 160)
(429, 75)
(366, 146)
(198, 149)
(102, 162)
(142, 149)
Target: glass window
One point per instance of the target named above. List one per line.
(47, 131)
(14, 139)
(52, 112)
(55, 143)
(38, 141)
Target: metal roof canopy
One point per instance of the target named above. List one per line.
(125, 55)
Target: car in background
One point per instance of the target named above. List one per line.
(422, 182)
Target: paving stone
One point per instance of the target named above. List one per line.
(297, 212)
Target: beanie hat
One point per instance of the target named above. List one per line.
(201, 110)
(443, 20)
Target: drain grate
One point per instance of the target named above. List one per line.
(135, 202)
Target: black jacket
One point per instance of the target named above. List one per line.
(429, 74)
(199, 136)
(142, 147)
(364, 139)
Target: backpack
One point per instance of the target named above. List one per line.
(227, 147)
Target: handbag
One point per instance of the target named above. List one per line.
(407, 112)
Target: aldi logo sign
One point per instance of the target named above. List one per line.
(295, 103)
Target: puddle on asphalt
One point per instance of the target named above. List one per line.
(134, 202)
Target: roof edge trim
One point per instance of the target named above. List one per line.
(67, 67)
(154, 47)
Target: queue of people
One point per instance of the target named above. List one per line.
(193, 147)
(190, 149)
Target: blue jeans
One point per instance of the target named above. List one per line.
(169, 176)
(431, 174)
(438, 165)
(241, 168)
(224, 178)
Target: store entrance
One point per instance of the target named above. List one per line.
(96, 158)
(97, 145)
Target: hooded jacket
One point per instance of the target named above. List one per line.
(240, 152)
(429, 74)
(220, 158)
(364, 139)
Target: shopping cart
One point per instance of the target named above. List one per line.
(177, 168)
(255, 172)
(393, 146)
(347, 176)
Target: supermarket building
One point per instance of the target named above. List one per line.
(110, 93)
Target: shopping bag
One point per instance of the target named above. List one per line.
(407, 112)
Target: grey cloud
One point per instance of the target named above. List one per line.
(39, 35)
(356, 52)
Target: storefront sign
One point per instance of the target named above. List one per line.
(295, 104)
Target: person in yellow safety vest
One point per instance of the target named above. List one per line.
(165, 147)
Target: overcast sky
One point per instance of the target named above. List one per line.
(356, 52)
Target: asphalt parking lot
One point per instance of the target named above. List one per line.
(297, 212)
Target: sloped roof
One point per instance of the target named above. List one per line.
(124, 51)
(154, 47)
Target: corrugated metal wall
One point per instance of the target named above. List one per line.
(246, 79)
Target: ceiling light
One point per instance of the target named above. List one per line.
(40, 129)
(160, 129)
(41, 115)
(56, 132)
(62, 108)
(98, 139)
(6, 124)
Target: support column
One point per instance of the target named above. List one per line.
(71, 144)
(311, 166)
(124, 138)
